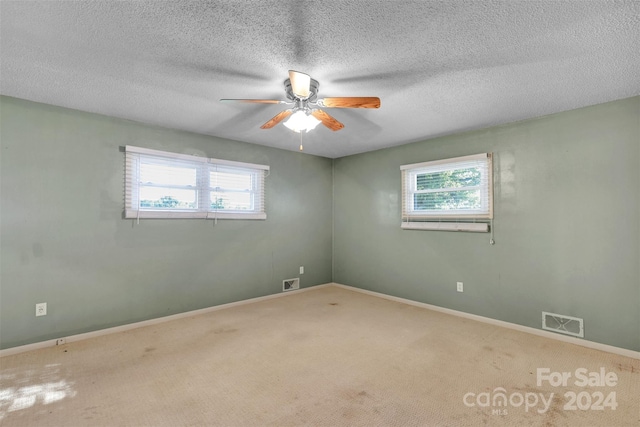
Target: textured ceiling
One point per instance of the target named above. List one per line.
(439, 67)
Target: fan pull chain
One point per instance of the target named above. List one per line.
(300, 140)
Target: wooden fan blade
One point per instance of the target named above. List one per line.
(327, 120)
(300, 83)
(276, 119)
(254, 101)
(352, 102)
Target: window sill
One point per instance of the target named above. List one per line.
(133, 214)
(476, 227)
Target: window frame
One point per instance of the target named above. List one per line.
(135, 157)
(409, 188)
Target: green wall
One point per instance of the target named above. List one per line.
(64, 242)
(567, 224)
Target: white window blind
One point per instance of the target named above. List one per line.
(455, 188)
(160, 184)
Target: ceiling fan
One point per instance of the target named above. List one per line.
(305, 111)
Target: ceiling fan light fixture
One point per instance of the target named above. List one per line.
(301, 121)
(306, 111)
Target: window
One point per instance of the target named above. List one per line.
(160, 184)
(448, 189)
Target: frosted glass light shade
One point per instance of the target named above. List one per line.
(301, 121)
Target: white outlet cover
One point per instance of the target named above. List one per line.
(301, 270)
(41, 309)
(460, 287)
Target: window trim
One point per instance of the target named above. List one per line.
(204, 166)
(409, 172)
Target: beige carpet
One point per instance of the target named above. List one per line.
(325, 357)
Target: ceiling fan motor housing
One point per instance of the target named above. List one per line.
(313, 91)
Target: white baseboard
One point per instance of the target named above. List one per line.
(527, 329)
(130, 326)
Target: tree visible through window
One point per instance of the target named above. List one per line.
(449, 190)
(165, 202)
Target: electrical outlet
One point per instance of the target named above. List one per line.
(41, 309)
(460, 287)
(301, 270)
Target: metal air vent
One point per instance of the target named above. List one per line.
(291, 284)
(560, 323)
